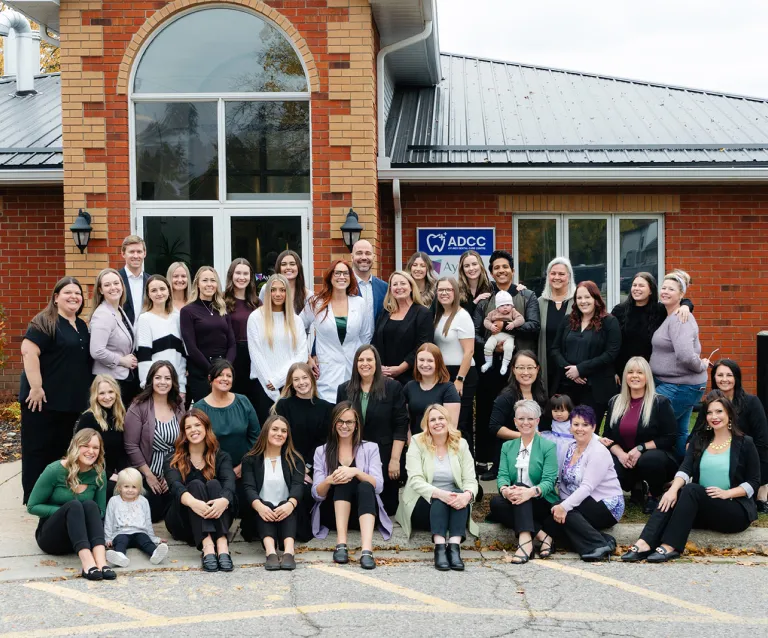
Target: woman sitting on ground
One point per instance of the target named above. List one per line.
(526, 481)
(70, 499)
(348, 476)
(441, 487)
(641, 433)
(202, 484)
(591, 493)
(273, 476)
(723, 468)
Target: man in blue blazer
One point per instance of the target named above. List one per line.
(371, 288)
(134, 278)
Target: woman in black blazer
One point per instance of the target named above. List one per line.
(585, 350)
(381, 405)
(726, 377)
(724, 469)
(403, 326)
(641, 433)
(273, 477)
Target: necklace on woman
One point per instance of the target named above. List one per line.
(209, 309)
(721, 446)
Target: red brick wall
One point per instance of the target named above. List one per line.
(720, 236)
(31, 262)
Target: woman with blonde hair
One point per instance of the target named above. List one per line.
(70, 499)
(555, 304)
(288, 264)
(276, 340)
(403, 326)
(106, 415)
(112, 335)
(441, 487)
(179, 278)
(206, 329)
(641, 433)
(420, 268)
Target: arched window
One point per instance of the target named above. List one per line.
(220, 133)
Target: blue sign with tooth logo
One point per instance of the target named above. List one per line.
(445, 245)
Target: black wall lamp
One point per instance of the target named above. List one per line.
(81, 230)
(351, 229)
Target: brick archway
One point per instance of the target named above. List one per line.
(161, 16)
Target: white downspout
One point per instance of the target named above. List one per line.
(27, 60)
(395, 46)
(398, 224)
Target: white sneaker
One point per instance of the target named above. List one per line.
(117, 558)
(158, 556)
(486, 366)
(503, 371)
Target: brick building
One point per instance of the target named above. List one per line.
(222, 129)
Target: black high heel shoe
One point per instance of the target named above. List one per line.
(544, 548)
(453, 552)
(522, 560)
(441, 558)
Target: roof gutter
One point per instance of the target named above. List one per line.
(398, 224)
(24, 177)
(380, 58)
(593, 175)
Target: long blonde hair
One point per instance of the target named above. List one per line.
(98, 296)
(82, 437)
(390, 303)
(118, 409)
(454, 436)
(621, 404)
(267, 309)
(169, 276)
(217, 303)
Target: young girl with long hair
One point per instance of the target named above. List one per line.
(241, 299)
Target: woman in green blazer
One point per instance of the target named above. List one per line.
(527, 476)
(441, 487)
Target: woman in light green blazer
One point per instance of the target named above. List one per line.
(526, 481)
(441, 487)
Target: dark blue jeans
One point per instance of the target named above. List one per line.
(683, 398)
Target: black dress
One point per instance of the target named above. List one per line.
(309, 420)
(398, 341)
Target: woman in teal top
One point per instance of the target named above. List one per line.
(526, 481)
(70, 498)
(714, 488)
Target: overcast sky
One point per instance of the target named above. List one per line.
(711, 44)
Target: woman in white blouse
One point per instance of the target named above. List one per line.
(276, 340)
(455, 336)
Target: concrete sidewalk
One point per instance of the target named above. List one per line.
(22, 559)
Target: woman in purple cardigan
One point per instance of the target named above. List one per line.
(151, 429)
(347, 474)
(591, 493)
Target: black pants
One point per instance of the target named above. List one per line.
(243, 383)
(467, 414)
(582, 526)
(276, 531)
(198, 386)
(583, 395)
(129, 388)
(525, 517)
(262, 402)
(45, 437)
(158, 503)
(391, 489)
(440, 519)
(139, 540)
(360, 494)
(694, 508)
(490, 384)
(654, 466)
(185, 525)
(304, 515)
(76, 525)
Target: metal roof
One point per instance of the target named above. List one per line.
(503, 113)
(30, 126)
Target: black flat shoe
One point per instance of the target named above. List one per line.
(441, 558)
(601, 553)
(544, 548)
(340, 554)
(272, 563)
(209, 563)
(453, 551)
(490, 475)
(661, 555)
(650, 505)
(225, 563)
(522, 560)
(634, 555)
(288, 563)
(94, 573)
(367, 561)
(108, 574)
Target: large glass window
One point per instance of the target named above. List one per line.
(608, 249)
(261, 239)
(170, 239)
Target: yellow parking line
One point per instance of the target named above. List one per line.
(642, 591)
(95, 601)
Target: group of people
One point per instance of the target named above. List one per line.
(300, 413)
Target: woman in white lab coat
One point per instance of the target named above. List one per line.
(342, 324)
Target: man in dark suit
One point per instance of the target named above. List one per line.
(134, 278)
(371, 288)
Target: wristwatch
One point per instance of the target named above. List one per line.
(460, 377)
(641, 448)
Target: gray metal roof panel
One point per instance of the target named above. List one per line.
(30, 124)
(486, 111)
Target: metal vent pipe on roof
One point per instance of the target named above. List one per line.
(27, 49)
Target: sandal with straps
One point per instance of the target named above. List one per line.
(545, 548)
(522, 560)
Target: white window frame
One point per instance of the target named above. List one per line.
(613, 232)
(221, 209)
